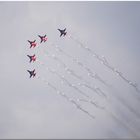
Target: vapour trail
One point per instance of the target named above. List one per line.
(85, 100)
(94, 103)
(73, 86)
(62, 94)
(96, 89)
(85, 111)
(88, 86)
(125, 125)
(79, 63)
(71, 72)
(104, 61)
(91, 101)
(110, 113)
(123, 102)
(72, 101)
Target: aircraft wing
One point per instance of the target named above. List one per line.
(29, 41)
(61, 34)
(28, 71)
(59, 30)
(30, 75)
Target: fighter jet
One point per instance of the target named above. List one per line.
(32, 73)
(43, 38)
(62, 32)
(32, 43)
(32, 58)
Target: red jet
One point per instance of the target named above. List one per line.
(43, 38)
(32, 58)
(32, 43)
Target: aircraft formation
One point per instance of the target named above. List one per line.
(33, 44)
(90, 73)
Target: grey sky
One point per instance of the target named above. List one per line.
(31, 109)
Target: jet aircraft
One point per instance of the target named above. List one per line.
(43, 38)
(32, 58)
(32, 73)
(62, 32)
(32, 43)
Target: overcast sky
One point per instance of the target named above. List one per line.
(31, 109)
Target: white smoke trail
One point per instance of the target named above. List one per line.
(72, 101)
(123, 102)
(62, 77)
(123, 124)
(127, 127)
(104, 61)
(62, 94)
(86, 85)
(95, 89)
(85, 100)
(79, 63)
(71, 72)
(91, 101)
